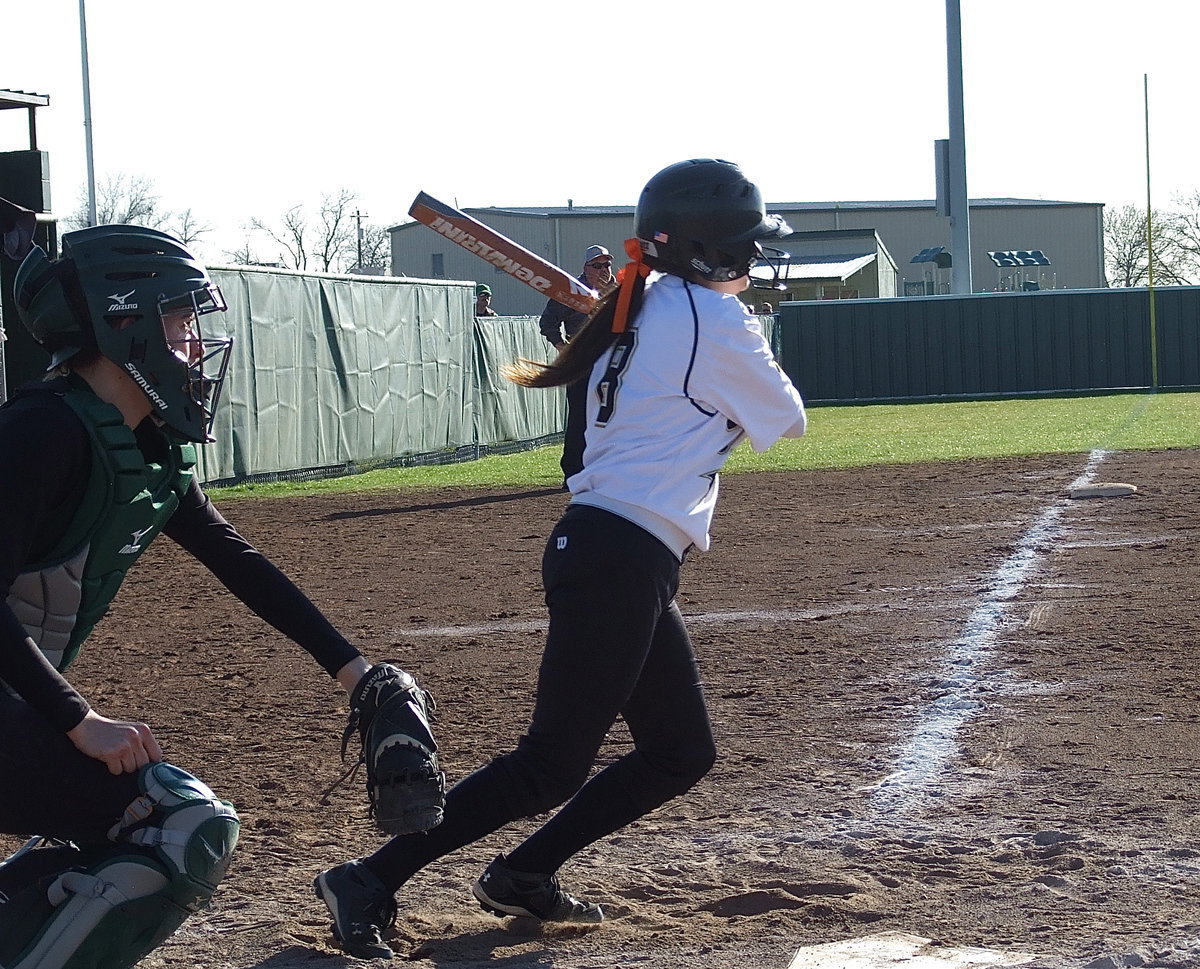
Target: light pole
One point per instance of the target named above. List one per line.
(960, 216)
(87, 116)
(1150, 244)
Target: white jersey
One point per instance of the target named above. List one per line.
(665, 408)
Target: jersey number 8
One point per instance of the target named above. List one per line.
(610, 383)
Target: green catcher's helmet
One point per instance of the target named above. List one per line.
(135, 296)
(704, 216)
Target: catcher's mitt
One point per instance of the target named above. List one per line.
(405, 786)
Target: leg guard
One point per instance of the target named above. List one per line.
(106, 906)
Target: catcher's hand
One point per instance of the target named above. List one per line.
(405, 786)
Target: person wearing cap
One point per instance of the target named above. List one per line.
(559, 323)
(483, 300)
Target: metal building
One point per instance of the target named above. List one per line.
(1070, 234)
(832, 264)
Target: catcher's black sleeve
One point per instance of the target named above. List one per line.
(204, 533)
(30, 674)
(39, 483)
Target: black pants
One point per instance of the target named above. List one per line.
(573, 433)
(48, 787)
(616, 646)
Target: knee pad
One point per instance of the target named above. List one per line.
(188, 828)
(106, 906)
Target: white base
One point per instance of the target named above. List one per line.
(1104, 489)
(899, 949)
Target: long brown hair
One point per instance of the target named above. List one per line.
(575, 361)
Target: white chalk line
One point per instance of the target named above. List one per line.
(922, 759)
(718, 618)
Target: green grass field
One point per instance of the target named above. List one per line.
(846, 437)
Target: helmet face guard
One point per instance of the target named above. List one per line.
(193, 362)
(135, 296)
(704, 217)
(765, 273)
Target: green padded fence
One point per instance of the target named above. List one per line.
(993, 344)
(336, 374)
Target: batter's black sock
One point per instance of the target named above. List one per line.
(475, 807)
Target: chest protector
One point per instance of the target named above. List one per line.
(127, 502)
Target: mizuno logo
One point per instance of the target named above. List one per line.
(119, 302)
(217, 856)
(134, 545)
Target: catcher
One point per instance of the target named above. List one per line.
(95, 461)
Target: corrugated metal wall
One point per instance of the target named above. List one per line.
(1069, 233)
(560, 241)
(989, 344)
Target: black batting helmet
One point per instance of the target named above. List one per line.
(704, 216)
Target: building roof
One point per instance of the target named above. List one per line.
(30, 102)
(581, 211)
(780, 206)
(840, 266)
(22, 99)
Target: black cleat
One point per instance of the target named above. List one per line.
(361, 907)
(503, 891)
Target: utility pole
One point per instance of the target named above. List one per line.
(358, 217)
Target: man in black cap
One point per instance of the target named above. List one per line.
(483, 300)
(559, 323)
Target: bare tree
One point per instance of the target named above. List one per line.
(1127, 248)
(328, 244)
(241, 256)
(290, 237)
(376, 246)
(187, 227)
(121, 199)
(124, 199)
(337, 242)
(1185, 233)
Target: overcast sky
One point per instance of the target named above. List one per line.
(244, 109)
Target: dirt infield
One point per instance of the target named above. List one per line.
(950, 701)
